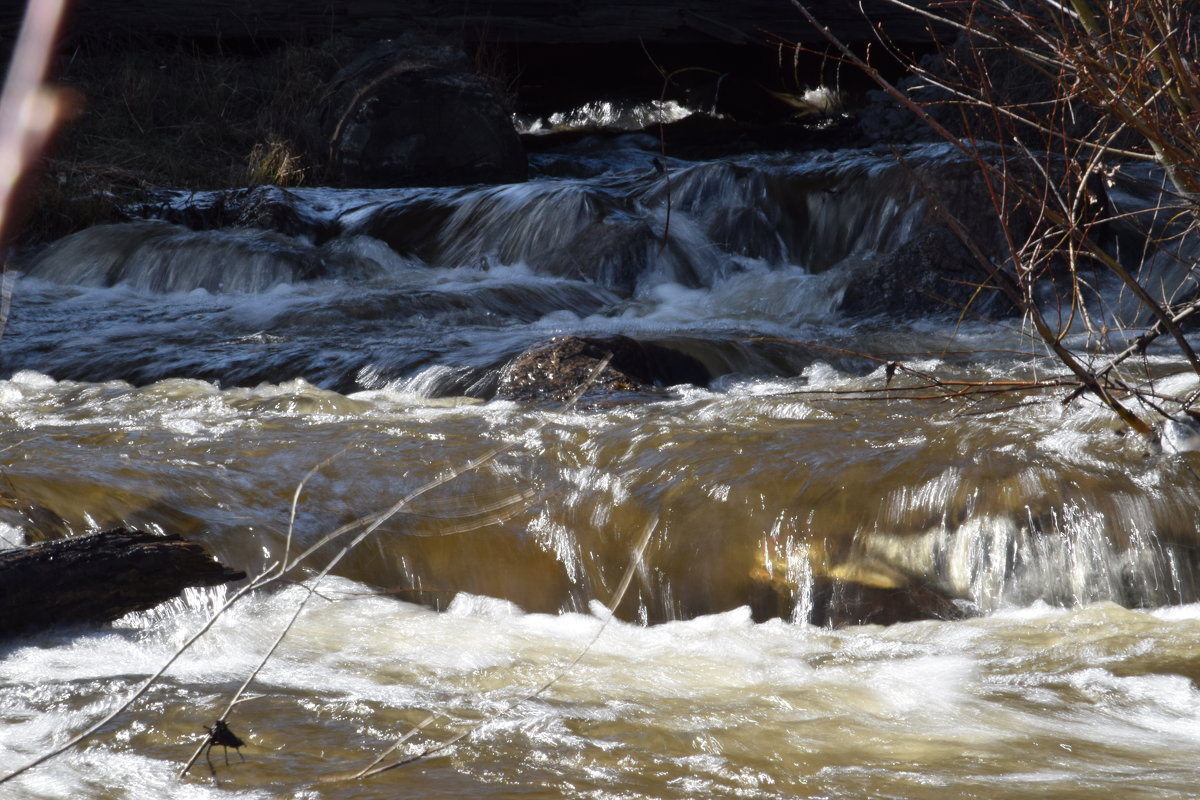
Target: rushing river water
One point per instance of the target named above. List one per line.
(189, 380)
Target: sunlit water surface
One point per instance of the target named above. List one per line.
(1098, 701)
(196, 384)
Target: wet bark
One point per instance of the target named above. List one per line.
(99, 577)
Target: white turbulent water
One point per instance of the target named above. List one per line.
(606, 115)
(1093, 699)
(194, 394)
(1097, 701)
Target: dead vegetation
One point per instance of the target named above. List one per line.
(152, 115)
(1103, 88)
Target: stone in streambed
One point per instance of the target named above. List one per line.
(869, 593)
(556, 370)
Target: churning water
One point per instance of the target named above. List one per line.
(188, 380)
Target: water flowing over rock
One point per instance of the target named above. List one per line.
(723, 279)
(415, 115)
(863, 216)
(263, 207)
(162, 257)
(379, 287)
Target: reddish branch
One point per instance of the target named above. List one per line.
(1124, 81)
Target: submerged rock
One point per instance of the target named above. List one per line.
(858, 591)
(406, 115)
(555, 371)
(838, 603)
(262, 207)
(161, 257)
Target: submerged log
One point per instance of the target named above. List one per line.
(99, 577)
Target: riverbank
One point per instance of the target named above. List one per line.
(152, 114)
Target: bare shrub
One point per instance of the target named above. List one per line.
(1056, 103)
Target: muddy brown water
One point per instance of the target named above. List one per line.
(200, 407)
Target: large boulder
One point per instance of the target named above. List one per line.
(415, 115)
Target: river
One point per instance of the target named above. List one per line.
(190, 380)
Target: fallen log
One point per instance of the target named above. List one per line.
(99, 577)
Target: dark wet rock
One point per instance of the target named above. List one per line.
(415, 115)
(274, 209)
(883, 119)
(933, 270)
(849, 589)
(161, 257)
(615, 252)
(840, 603)
(264, 207)
(557, 370)
(1013, 80)
(837, 604)
(410, 226)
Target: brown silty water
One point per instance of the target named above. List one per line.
(189, 381)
